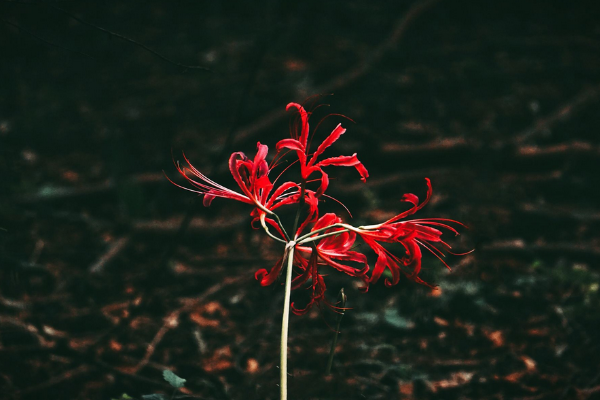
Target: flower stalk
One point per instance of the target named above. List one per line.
(285, 321)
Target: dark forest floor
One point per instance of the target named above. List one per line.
(497, 104)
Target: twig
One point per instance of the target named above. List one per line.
(562, 113)
(55, 380)
(347, 77)
(19, 305)
(31, 329)
(436, 145)
(560, 213)
(520, 247)
(113, 250)
(60, 193)
(134, 375)
(197, 224)
(172, 320)
(570, 148)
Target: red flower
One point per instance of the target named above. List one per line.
(412, 235)
(308, 167)
(329, 251)
(252, 176)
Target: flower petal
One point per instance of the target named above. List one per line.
(346, 161)
(304, 118)
(333, 136)
(267, 278)
(411, 198)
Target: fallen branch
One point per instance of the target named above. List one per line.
(198, 224)
(561, 114)
(29, 328)
(50, 193)
(172, 320)
(571, 148)
(113, 250)
(55, 380)
(437, 145)
(560, 213)
(518, 246)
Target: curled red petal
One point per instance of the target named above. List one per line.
(346, 161)
(304, 118)
(414, 200)
(291, 144)
(208, 198)
(235, 171)
(267, 278)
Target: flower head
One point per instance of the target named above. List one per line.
(412, 235)
(334, 250)
(299, 144)
(252, 177)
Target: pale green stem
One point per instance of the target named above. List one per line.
(339, 225)
(266, 228)
(314, 238)
(285, 321)
(287, 237)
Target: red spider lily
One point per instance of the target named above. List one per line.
(307, 167)
(412, 235)
(329, 251)
(252, 176)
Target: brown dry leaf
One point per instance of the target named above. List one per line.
(295, 65)
(440, 321)
(456, 379)
(469, 328)
(203, 322)
(70, 176)
(115, 346)
(81, 343)
(215, 306)
(538, 331)
(140, 322)
(496, 337)
(252, 366)
(116, 311)
(530, 364)
(406, 388)
(172, 321)
(219, 361)
(515, 376)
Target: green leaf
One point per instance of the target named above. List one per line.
(173, 379)
(124, 396)
(392, 317)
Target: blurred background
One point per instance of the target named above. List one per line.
(110, 274)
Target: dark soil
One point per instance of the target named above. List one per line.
(110, 274)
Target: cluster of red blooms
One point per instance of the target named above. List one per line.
(331, 241)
